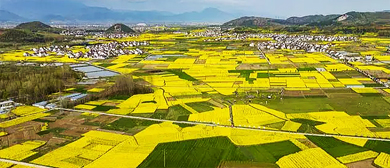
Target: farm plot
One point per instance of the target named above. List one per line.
(220, 149)
(314, 157)
(21, 151)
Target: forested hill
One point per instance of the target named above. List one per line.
(120, 28)
(37, 26)
(350, 18)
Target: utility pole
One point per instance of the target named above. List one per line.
(164, 157)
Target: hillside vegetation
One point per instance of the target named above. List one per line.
(120, 28)
(20, 36)
(353, 18)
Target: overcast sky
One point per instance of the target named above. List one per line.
(274, 8)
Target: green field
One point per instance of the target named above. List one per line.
(178, 113)
(211, 152)
(335, 147)
(366, 105)
(128, 124)
(201, 106)
(378, 146)
(182, 75)
(103, 108)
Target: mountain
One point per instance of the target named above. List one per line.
(350, 18)
(120, 28)
(310, 19)
(367, 18)
(206, 15)
(252, 21)
(36, 9)
(73, 11)
(6, 16)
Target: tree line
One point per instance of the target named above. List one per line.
(124, 86)
(30, 84)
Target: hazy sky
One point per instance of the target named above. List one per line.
(274, 8)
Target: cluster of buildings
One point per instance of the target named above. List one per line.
(98, 51)
(309, 47)
(112, 49)
(44, 51)
(305, 42)
(72, 97)
(7, 106)
(76, 33)
(114, 36)
(301, 38)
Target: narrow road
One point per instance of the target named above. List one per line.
(262, 53)
(23, 163)
(217, 125)
(231, 115)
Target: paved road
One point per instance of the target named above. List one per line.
(217, 125)
(23, 163)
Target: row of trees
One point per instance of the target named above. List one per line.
(124, 86)
(30, 84)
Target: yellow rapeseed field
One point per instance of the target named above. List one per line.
(21, 151)
(383, 160)
(291, 126)
(383, 122)
(3, 134)
(96, 90)
(23, 119)
(356, 141)
(357, 157)
(365, 90)
(247, 116)
(314, 157)
(84, 106)
(97, 149)
(26, 110)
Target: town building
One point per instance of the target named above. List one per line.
(7, 106)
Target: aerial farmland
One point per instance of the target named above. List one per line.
(195, 96)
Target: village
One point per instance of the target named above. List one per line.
(98, 51)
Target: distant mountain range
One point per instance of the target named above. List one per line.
(68, 11)
(355, 18)
(9, 16)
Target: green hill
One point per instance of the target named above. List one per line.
(120, 28)
(34, 26)
(350, 18)
(362, 18)
(20, 36)
(251, 22)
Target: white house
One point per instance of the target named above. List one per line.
(6, 106)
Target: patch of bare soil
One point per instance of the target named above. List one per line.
(20, 133)
(112, 104)
(308, 143)
(104, 119)
(216, 103)
(361, 164)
